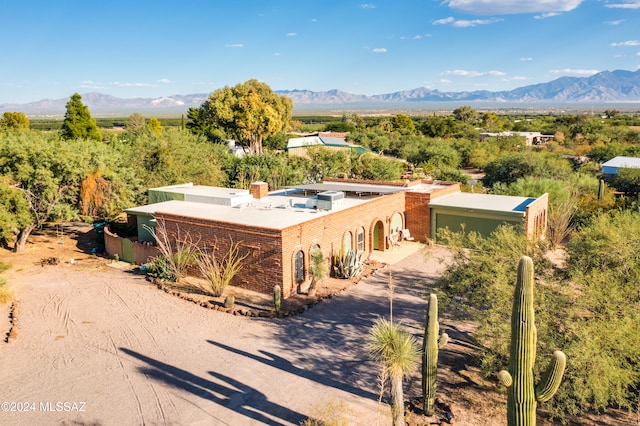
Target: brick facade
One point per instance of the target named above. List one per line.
(418, 213)
(270, 253)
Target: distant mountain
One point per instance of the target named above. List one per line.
(605, 87)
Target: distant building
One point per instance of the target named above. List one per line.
(612, 166)
(532, 138)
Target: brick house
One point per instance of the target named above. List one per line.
(277, 231)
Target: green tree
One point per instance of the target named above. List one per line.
(78, 122)
(465, 114)
(135, 123)
(47, 173)
(403, 123)
(14, 120)
(14, 213)
(371, 166)
(250, 111)
(327, 163)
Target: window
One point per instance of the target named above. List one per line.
(299, 267)
(346, 243)
(360, 239)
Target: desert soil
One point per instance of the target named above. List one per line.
(99, 344)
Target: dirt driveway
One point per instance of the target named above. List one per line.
(102, 346)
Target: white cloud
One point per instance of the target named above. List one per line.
(577, 72)
(618, 22)
(291, 34)
(234, 45)
(379, 50)
(367, 6)
(465, 73)
(509, 7)
(164, 81)
(276, 54)
(464, 23)
(527, 59)
(626, 43)
(633, 4)
(546, 15)
(474, 23)
(518, 78)
(444, 21)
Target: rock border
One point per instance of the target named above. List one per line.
(252, 313)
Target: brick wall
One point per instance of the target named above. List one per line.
(418, 213)
(270, 254)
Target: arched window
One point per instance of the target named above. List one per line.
(299, 267)
(360, 239)
(346, 243)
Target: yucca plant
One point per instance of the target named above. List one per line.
(399, 354)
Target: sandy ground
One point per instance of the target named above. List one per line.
(102, 346)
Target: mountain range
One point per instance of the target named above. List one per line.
(606, 87)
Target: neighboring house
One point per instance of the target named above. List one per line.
(277, 230)
(532, 138)
(612, 166)
(298, 146)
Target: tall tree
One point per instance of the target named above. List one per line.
(14, 120)
(135, 123)
(250, 111)
(78, 123)
(46, 172)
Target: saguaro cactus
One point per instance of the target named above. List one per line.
(277, 298)
(430, 346)
(522, 395)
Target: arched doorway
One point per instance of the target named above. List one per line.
(378, 236)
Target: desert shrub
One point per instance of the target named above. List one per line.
(332, 413)
(589, 309)
(218, 272)
(159, 267)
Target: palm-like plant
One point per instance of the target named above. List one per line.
(317, 269)
(398, 352)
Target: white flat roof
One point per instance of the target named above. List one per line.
(212, 191)
(483, 203)
(623, 162)
(274, 212)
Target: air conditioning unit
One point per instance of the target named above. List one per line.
(330, 200)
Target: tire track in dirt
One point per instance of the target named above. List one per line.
(116, 353)
(136, 341)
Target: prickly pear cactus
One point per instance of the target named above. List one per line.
(522, 394)
(430, 346)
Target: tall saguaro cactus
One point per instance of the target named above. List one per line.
(522, 394)
(430, 346)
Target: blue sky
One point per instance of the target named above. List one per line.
(128, 48)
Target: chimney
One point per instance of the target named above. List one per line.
(259, 190)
